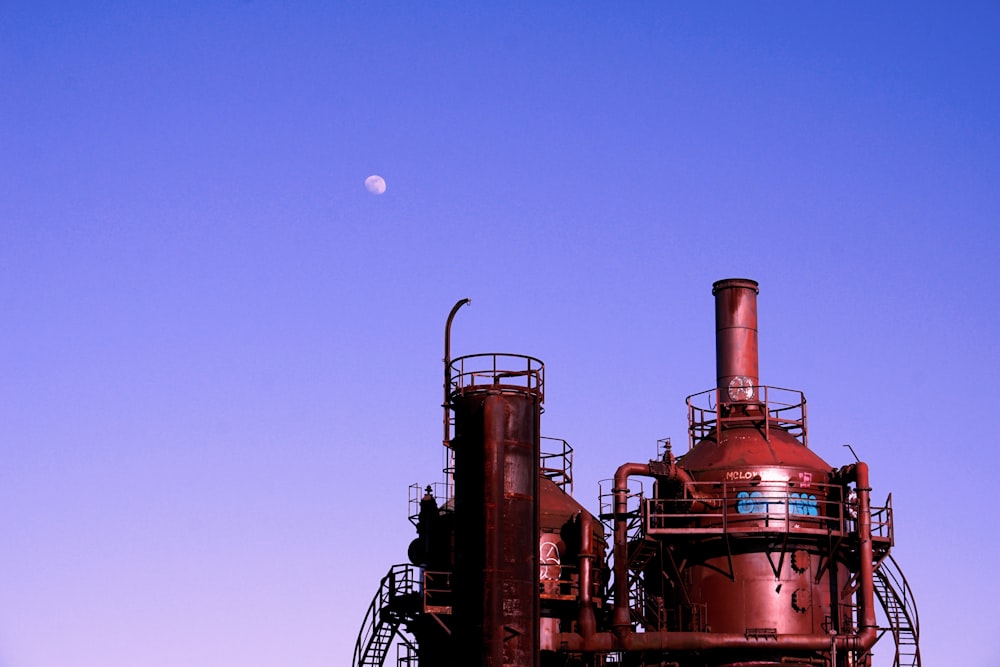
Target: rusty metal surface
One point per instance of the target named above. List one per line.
(736, 339)
(751, 551)
(742, 450)
(496, 487)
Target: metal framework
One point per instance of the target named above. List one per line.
(749, 550)
(393, 604)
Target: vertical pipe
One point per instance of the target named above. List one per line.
(867, 633)
(586, 619)
(620, 618)
(447, 366)
(866, 572)
(736, 360)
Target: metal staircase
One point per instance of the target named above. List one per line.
(641, 553)
(894, 593)
(392, 605)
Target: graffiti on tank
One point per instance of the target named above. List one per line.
(756, 502)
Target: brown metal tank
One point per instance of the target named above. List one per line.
(779, 500)
(496, 401)
(766, 571)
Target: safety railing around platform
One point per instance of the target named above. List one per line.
(771, 407)
(717, 508)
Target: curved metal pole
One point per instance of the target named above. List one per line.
(868, 634)
(620, 618)
(447, 362)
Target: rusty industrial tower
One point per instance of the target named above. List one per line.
(748, 550)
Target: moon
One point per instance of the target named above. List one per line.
(375, 184)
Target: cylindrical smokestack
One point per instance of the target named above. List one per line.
(496, 603)
(736, 339)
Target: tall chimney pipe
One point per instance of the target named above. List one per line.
(736, 339)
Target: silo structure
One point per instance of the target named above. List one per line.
(496, 400)
(769, 549)
(774, 572)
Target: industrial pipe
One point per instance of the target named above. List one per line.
(622, 638)
(447, 365)
(675, 473)
(620, 619)
(700, 641)
(868, 635)
(586, 621)
(736, 358)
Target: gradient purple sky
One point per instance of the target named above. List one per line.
(221, 354)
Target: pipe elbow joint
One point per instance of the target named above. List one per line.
(861, 642)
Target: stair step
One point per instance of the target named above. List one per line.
(899, 611)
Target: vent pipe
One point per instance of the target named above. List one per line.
(736, 340)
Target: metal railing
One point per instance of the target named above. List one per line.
(634, 501)
(437, 592)
(557, 464)
(380, 625)
(718, 508)
(775, 408)
(493, 370)
(440, 492)
(565, 586)
(406, 655)
(882, 522)
(900, 608)
(723, 507)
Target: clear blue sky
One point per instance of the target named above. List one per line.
(221, 354)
